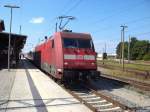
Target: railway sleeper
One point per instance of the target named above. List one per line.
(113, 109)
(107, 105)
(97, 102)
(101, 103)
(92, 99)
(88, 96)
(80, 93)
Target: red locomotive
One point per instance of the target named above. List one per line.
(67, 56)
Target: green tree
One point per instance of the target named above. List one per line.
(132, 43)
(139, 49)
(119, 50)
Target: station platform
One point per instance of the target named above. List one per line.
(27, 89)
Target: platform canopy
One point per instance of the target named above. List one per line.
(17, 41)
(17, 44)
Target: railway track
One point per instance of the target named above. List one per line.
(144, 73)
(137, 84)
(95, 101)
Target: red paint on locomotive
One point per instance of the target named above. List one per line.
(67, 55)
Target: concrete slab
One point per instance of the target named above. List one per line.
(33, 91)
(6, 82)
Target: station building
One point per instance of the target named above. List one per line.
(17, 43)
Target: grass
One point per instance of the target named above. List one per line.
(113, 68)
(133, 66)
(127, 75)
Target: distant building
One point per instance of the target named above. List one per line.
(109, 56)
(17, 43)
(99, 56)
(2, 26)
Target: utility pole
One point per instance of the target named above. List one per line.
(129, 49)
(9, 41)
(123, 28)
(20, 28)
(105, 47)
(120, 56)
(103, 56)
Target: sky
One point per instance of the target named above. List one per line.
(101, 18)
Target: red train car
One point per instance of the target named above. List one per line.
(67, 56)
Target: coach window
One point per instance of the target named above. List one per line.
(53, 45)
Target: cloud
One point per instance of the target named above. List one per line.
(37, 20)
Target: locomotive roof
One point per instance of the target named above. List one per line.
(75, 35)
(68, 35)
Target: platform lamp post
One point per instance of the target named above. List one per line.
(9, 41)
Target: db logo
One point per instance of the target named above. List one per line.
(80, 57)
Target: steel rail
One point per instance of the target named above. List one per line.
(109, 100)
(137, 84)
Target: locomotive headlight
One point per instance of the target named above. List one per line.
(65, 63)
(93, 63)
(59, 70)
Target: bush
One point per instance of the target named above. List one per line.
(146, 57)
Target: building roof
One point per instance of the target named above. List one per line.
(17, 41)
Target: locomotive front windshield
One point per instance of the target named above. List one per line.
(77, 43)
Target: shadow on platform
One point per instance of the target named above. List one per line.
(30, 103)
(19, 65)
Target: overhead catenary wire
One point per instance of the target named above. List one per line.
(137, 20)
(67, 11)
(139, 27)
(139, 34)
(119, 12)
(73, 7)
(128, 23)
(64, 7)
(58, 14)
(53, 26)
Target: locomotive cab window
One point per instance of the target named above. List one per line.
(77, 43)
(84, 43)
(70, 43)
